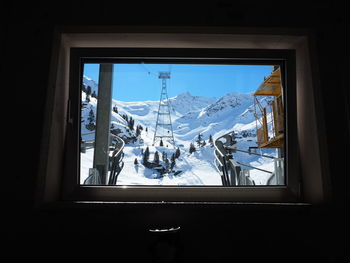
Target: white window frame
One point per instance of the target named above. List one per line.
(307, 132)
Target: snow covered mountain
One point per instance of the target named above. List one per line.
(191, 116)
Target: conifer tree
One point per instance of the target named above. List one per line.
(161, 143)
(166, 162)
(115, 109)
(192, 148)
(91, 117)
(138, 131)
(173, 162)
(88, 90)
(156, 157)
(172, 158)
(136, 162)
(199, 140)
(146, 156)
(164, 156)
(211, 140)
(177, 153)
(131, 122)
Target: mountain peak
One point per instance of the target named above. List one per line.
(184, 95)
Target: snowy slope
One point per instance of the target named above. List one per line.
(90, 82)
(191, 115)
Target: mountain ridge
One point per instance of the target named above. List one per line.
(191, 116)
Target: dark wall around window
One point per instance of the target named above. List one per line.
(209, 232)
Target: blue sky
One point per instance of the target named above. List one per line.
(140, 82)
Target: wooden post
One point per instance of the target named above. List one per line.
(275, 117)
(280, 115)
(266, 136)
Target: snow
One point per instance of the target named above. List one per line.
(190, 115)
(259, 177)
(196, 170)
(86, 159)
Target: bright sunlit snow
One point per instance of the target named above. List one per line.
(191, 115)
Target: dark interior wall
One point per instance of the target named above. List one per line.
(208, 232)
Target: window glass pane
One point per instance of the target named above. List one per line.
(187, 125)
(89, 100)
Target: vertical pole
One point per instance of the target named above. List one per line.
(279, 171)
(101, 154)
(266, 136)
(280, 114)
(275, 117)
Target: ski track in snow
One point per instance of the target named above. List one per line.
(197, 178)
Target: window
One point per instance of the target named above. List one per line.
(183, 125)
(176, 143)
(225, 140)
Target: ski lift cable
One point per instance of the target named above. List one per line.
(147, 70)
(150, 72)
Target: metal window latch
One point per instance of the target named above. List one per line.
(163, 230)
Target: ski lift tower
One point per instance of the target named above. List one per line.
(164, 129)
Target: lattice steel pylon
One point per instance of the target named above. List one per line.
(164, 129)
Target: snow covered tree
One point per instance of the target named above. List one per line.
(166, 163)
(173, 162)
(146, 156)
(199, 140)
(172, 158)
(211, 140)
(138, 131)
(88, 91)
(136, 162)
(91, 125)
(115, 109)
(172, 165)
(177, 153)
(156, 157)
(131, 123)
(192, 148)
(161, 143)
(91, 117)
(125, 117)
(164, 156)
